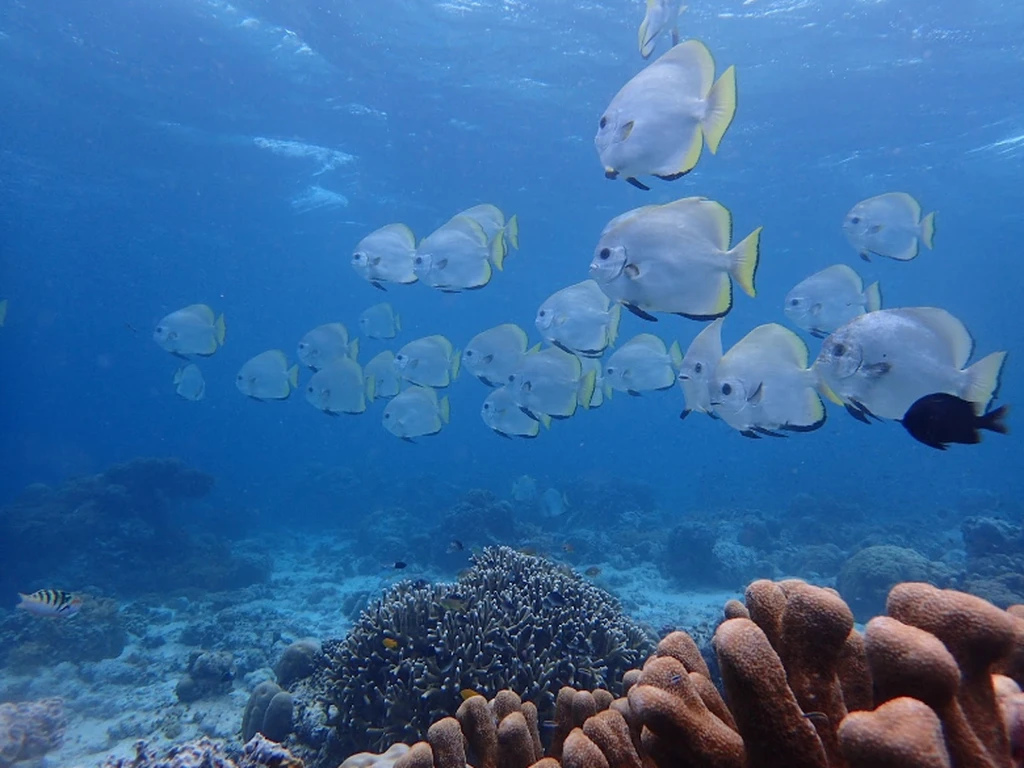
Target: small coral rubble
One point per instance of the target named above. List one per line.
(30, 729)
(205, 753)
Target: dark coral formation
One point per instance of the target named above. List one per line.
(119, 532)
(269, 711)
(803, 689)
(512, 621)
(28, 730)
(209, 674)
(98, 632)
(204, 753)
(866, 578)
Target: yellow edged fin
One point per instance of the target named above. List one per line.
(720, 109)
(220, 329)
(498, 250)
(613, 324)
(645, 44)
(293, 376)
(744, 258)
(444, 409)
(814, 413)
(371, 388)
(456, 364)
(723, 301)
(983, 380)
(586, 391)
(692, 154)
(535, 348)
(928, 230)
(512, 231)
(608, 391)
(831, 396)
(398, 322)
(676, 354)
(873, 297)
(353, 350)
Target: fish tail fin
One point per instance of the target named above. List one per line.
(398, 322)
(498, 250)
(873, 297)
(607, 389)
(3, 312)
(721, 109)
(613, 324)
(676, 354)
(371, 388)
(456, 363)
(928, 230)
(353, 350)
(995, 421)
(220, 329)
(543, 418)
(645, 43)
(293, 376)
(586, 389)
(444, 408)
(744, 258)
(983, 380)
(178, 375)
(512, 231)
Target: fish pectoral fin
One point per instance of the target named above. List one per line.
(757, 395)
(378, 286)
(684, 413)
(817, 333)
(528, 412)
(877, 370)
(640, 313)
(632, 271)
(633, 392)
(637, 183)
(865, 255)
(875, 229)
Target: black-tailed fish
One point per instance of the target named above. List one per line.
(642, 364)
(381, 369)
(658, 122)
(189, 383)
(50, 602)
(697, 370)
(456, 256)
(763, 385)
(193, 330)
(829, 299)
(493, 355)
(880, 363)
(502, 413)
(940, 419)
(579, 319)
(552, 382)
(326, 344)
(661, 16)
(340, 387)
(380, 322)
(416, 412)
(675, 258)
(386, 255)
(889, 225)
(430, 361)
(267, 376)
(492, 219)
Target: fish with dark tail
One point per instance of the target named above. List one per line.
(940, 419)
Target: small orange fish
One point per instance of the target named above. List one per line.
(390, 643)
(592, 571)
(469, 693)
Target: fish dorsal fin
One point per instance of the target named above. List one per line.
(201, 311)
(440, 341)
(470, 226)
(647, 341)
(629, 216)
(778, 343)
(905, 201)
(947, 327)
(708, 343)
(403, 232)
(337, 328)
(708, 217)
(692, 56)
(277, 356)
(589, 290)
(844, 274)
(427, 392)
(522, 340)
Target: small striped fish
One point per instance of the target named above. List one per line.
(50, 602)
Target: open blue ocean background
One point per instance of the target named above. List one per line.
(133, 181)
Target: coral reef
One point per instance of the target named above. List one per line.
(205, 753)
(136, 544)
(866, 578)
(511, 621)
(269, 711)
(209, 674)
(97, 632)
(803, 689)
(30, 729)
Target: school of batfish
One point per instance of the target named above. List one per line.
(907, 364)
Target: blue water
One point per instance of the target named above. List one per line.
(131, 184)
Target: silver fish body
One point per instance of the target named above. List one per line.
(415, 412)
(697, 369)
(502, 413)
(193, 330)
(267, 376)
(494, 355)
(189, 383)
(830, 298)
(889, 225)
(386, 256)
(579, 319)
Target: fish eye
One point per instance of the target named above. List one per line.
(610, 370)
(160, 329)
(794, 302)
(605, 253)
(469, 353)
(239, 377)
(727, 389)
(303, 345)
(697, 367)
(387, 415)
(604, 122)
(487, 406)
(839, 350)
(309, 389)
(855, 220)
(542, 313)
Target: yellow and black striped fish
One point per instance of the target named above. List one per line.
(50, 602)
